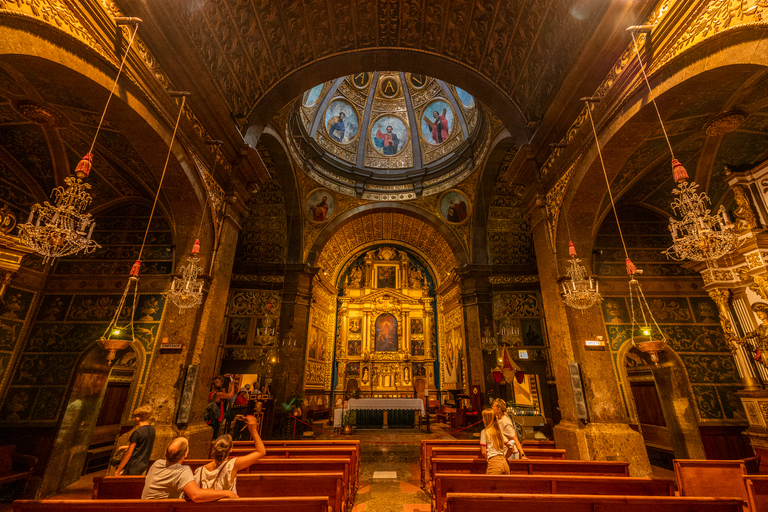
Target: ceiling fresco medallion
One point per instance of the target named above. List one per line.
(319, 205)
(40, 114)
(454, 207)
(724, 122)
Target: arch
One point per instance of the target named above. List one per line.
(132, 117)
(677, 402)
(623, 127)
(387, 221)
(83, 403)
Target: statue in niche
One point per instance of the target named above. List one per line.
(406, 375)
(365, 374)
(761, 333)
(415, 278)
(356, 278)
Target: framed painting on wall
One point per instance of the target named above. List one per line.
(386, 276)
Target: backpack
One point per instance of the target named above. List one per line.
(212, 411)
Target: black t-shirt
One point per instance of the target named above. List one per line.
(144, 437)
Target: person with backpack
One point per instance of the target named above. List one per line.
(214, 413)
(221, 474)
(508, 428)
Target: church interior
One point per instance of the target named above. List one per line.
(559, 203)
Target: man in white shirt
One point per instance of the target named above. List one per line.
(168, 478)
(508, 429)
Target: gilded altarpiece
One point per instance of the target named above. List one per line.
(384, 344)
(452, 339)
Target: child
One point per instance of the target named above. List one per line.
(493, 445)
(136, 458)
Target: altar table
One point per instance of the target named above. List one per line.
(383, 412)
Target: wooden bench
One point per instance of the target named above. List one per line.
(757, 492)
(478, 502)
(712, 478)
(248, 486)
(547, 484)
(350, 453)
(285, 504)
(531, 467)
(474, 451)
(296, 465)
(427, 445)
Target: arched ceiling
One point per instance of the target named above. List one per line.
(259, 55)
(382, 227)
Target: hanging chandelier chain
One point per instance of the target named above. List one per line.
(607, 183)
(114, 86)
(213, 172)
(650, 91)
(162, 176)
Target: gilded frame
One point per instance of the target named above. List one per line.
(370, 135)
(357, 114)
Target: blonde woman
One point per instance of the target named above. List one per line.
(494, 445)
(221, 474)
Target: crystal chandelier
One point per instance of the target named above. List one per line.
(63, 228)
(698, 235)
(488, 341)
(510, 331)
(580, 290)
(187, 291)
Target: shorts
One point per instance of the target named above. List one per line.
(497, 466)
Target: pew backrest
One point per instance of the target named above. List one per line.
(531, 453)
(248, 486)
(481, 502)
(713, 478)
(757, 492)
(547, 484)
(283, 504)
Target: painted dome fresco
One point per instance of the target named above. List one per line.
(388, 135)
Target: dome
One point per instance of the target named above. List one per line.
(387, 135)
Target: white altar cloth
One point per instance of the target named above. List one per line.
(378, 404)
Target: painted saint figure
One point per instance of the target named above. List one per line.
(386, 333)
(336, 127)
(439, 127)
(457, 212)
(320, 210)
(388, 141)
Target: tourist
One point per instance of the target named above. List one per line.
(220, 396)
(137, 452)
(221, 474)
(242, 396)
(169, 479)
(507, 427)
(493, 445)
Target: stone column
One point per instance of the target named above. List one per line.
(288, 374)
(477, 302)
(749, 379)
(607, 436)
(200, 332)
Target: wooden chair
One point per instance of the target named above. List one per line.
(713, 478)
(478, 502)
(757, 492)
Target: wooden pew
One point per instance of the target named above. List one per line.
(285, 504)
(757, 492)
(474, 451)
(532, 467)
(547, 484)
(296, 465)
(478, 502)
(248, 486)
(348, 452)
(713, 478)
(427, 445)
